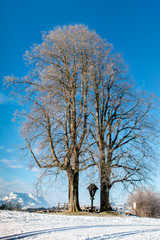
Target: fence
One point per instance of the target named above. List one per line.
(87, 208)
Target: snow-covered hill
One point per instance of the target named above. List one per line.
(25, 200)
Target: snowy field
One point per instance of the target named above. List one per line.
(23, 225)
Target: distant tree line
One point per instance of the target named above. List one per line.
(17, 207)
(10, 206)
(81, 109)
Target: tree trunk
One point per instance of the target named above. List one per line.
(73, 195)
(104, 182)
(105, 190)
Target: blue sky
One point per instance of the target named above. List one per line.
(132, 26)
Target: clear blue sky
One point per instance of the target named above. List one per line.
(132, 26)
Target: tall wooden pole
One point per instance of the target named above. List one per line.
(92, 204)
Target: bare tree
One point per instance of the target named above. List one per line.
(123, 126)
(55, 97)
(78, 99)
(145, 203)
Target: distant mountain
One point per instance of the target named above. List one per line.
(26, 200)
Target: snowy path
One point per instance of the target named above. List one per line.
(21, 225)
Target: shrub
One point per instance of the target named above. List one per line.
(145, 203)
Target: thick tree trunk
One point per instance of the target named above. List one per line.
(105, 190)
(104, 182)
(73, 195)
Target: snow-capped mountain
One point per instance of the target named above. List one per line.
(26, 200)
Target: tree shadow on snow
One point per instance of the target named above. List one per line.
(47, 231)
(122, 234)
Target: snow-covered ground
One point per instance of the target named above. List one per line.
(24, 225)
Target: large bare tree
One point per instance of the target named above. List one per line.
(55, 97)
(123, 126)
(78, 99)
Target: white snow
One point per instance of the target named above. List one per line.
(24, 225)
(33, 197)
(26, 200)
(12, 196)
